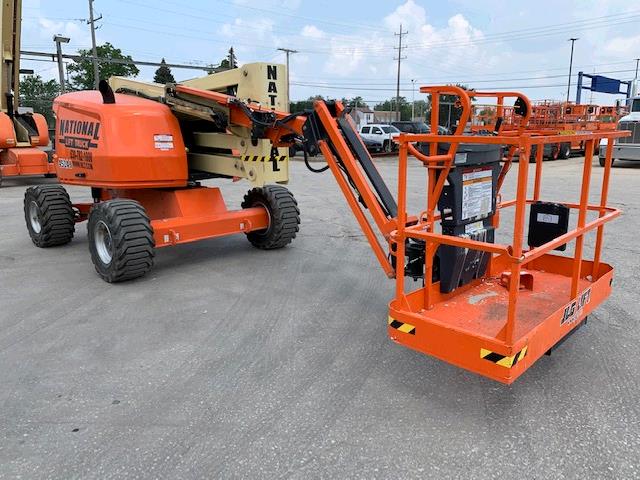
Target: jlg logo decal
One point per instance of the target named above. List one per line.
(574, 309)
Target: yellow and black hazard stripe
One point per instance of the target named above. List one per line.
(503, 360)
(402, 327)
(263, 158)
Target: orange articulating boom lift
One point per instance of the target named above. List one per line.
(488, 307)
(20, 133)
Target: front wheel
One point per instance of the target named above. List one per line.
(49, 215)
(284, 216)
(120, 240)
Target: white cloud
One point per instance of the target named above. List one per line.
(311, 31)
(623, 47)
(410, 15)
(78, 33)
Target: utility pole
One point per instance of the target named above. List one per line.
(59, 40)
(637, 62)
(413, 98)
(92, 21)
(288, 51)
(572, 40)
(400, 57)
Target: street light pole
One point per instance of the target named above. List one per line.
(572, 40)
(413, 98)
(59, 40)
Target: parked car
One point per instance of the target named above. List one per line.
(379, 136)
(418, 127)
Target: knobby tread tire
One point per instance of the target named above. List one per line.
(284, 216)
(133, 247)
(55, 212)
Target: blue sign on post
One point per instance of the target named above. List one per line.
(605, 84)
(601, 84)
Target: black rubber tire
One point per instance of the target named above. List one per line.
(284, 216)
(386, 146)
(54, 214)
(131, 245)
(602, 159)
(532, 155)
(565, 151)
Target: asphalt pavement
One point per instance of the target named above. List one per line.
(230, 362)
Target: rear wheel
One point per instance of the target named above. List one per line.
(534, 152)
(49, 215)
(601, 160)
(284, 216)
(565, 151)
(120, 240)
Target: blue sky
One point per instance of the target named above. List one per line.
(347, 48)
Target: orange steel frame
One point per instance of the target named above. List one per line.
(494, 326)
(187, 215)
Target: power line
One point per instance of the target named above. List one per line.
(469, 81)
(119, 61)
(531, 32)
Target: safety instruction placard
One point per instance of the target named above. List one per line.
(477, 193)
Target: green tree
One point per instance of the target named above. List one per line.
(230, 61)
(163, 74)
(39, 94)
(448, 111)
(390, 106)
(81, 70)
(307, 104)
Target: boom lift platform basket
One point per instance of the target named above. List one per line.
(499, 324)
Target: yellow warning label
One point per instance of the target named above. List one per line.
(260, 158)
(503, 360)
(402, 327)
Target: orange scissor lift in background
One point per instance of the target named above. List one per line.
(491, 308)
(550, 117)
